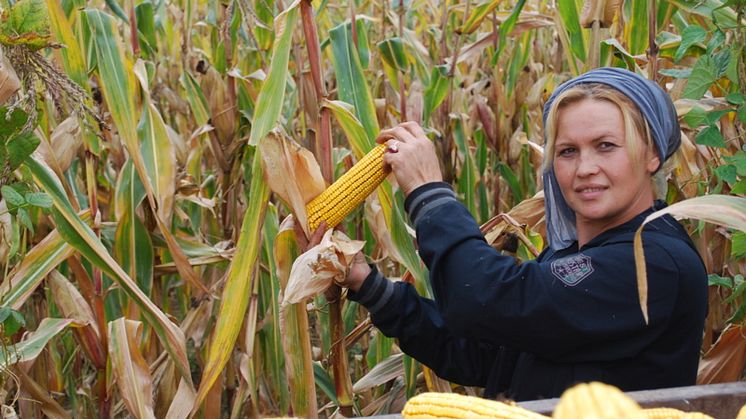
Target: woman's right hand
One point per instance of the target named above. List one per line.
(410, 155)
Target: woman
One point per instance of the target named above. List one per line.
(532, 330)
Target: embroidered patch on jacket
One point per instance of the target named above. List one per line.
(572, 269)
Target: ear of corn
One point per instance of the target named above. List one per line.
(349, 191)
(597, 401)
(671, 413)
(452, 405)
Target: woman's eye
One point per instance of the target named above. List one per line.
(606, 145)
(564, 152)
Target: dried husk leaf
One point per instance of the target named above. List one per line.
(74, 306)
(40, 394)
(181, 149)
(63, 144)
(129, 367)
(315, 270)
(9, 82)
(222, 109)
(377, 223)
(292, 173)
(724, 362)
(601, 11)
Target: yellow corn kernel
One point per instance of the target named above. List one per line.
(663, 413)
(349, 191)
(451, 405)
(596, 401)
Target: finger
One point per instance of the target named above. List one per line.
(414, 128)
(396, 133)
(392, 146)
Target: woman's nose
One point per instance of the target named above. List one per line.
(588, 164)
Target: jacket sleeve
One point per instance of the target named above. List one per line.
(540, 307)
(398, 311)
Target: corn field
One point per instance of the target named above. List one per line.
(157, 156)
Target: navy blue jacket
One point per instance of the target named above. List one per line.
(531, 330)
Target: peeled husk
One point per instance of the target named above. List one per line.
(316, 269)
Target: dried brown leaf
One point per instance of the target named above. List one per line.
(724, 362)
(63, 145)
(9, 82)
(292, 173)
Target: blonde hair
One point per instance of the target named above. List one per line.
(635, 125)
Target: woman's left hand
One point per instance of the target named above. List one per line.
(410, 155)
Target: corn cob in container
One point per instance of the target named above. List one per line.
(671, 413)
(457, 406)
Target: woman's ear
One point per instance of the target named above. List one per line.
(654, 162)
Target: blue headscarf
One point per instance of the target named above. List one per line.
(659, 113)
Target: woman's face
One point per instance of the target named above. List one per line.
(598, 179)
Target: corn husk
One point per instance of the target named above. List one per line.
(316, 269)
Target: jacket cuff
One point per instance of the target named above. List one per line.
(426, 198)
(375, 292)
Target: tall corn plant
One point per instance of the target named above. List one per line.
(148, 253)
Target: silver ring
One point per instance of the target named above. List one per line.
(392, 147)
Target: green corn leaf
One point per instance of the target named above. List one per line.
(467, 180)
(145, 15)
(29, 348)
(35, 266)
(351, 80)
(134, 250)
(196, 99)
(570, 28)
(238, 286)
(159, 158)
(363, 47)
(392, 51)
(622, 53)
(436, 91)
(269, 103)
(478, 14)
(515, 185)
(636, 29)
(353, 129)
(120, 89)
(506, 28)
(324, 382)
